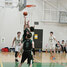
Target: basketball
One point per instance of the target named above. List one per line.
(25, 13)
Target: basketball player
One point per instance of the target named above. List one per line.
(26, 29)
(63, 46)
(52, 40)
(58, 47)
(17, 41)
(27, 46)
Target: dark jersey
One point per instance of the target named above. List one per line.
(26, 30)
(27, 46)
(25, 33)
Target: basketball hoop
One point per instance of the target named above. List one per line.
(30, 5)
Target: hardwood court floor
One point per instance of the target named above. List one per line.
(41, 60)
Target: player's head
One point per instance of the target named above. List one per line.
(19, 33)
(32, 29)
(51, 33)
(62, 41)
(29, 36)
(58, 41)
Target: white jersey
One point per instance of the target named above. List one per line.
(17, 44)
(51, 39)
(32, 36)
(52, 42)
(17, 41)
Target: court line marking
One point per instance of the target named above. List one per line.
(1, 63)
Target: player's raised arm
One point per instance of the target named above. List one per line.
(28, 24)
(13, 41)
(24, 22)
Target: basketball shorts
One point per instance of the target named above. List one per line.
(52, 46)
(27, 55)
(17, 48)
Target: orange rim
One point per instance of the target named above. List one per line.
(30, 5)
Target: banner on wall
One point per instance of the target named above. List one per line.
(3, 40)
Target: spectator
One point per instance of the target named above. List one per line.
(58, 47)
(63, 46)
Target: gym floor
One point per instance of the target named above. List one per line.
(40, 60)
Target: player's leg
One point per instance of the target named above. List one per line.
(33, 56)
(62, 49)
(65, 49)
(16, 55)
(53, 47)
(20, 65)
(54, 51)
(24, 56)
(59, 49)
(33, 50)
(50, 49)
(30, 59)
(17, 49)
(30, 62)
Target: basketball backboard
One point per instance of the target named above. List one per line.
(22, 4)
